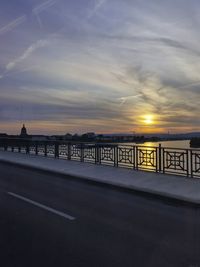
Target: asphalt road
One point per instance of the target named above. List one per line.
(46, 220)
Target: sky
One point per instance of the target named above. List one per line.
(104, 66)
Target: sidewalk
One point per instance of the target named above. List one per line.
(176, 187)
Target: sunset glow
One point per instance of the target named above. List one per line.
(148, 119)
(99, 66)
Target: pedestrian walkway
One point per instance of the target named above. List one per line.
(176, 187)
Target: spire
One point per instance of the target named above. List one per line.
(23, 131)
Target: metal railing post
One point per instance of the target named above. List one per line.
(160, 158)
(56, 150)
(116, 156)
(69, 151)
(163, 160)
(19, 147)
(6, 146)
(45, 149)
(97, 154)
(82, 152)
(187, 163)
(191, 163)
(27, 148)
(136, 157)
(36, 148)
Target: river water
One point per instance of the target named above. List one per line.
(172, 144)
(185, 144)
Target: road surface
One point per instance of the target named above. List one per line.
(48, 220)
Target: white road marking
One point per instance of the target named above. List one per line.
(62, 214)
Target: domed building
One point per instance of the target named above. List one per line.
(23, 133)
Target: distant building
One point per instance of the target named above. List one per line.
(68, 136)
(90, 135)
(3, 135)
(23, 133)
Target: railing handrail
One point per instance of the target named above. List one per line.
(160, 159)
(88, 142)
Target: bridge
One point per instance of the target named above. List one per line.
(72, 212)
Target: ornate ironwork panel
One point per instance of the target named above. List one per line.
(41, 150)
(126, 156)
(50, 150)
(23, 149)
(107, 154)
(15, 149)
(76, 151)
(176, 161)
(89, 153)
(147, 158)
(32, 150)
(63, 151)
(195, 163)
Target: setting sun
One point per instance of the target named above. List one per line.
(148, 119)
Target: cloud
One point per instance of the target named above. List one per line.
(27, 53)
(69, 110)
(124, 99)
(154, 40)
(131, 58)
(42, 7)
(98, 4)
(13, 24)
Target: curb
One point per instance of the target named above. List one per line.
(166, 198)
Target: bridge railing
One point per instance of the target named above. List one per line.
(184, 162)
